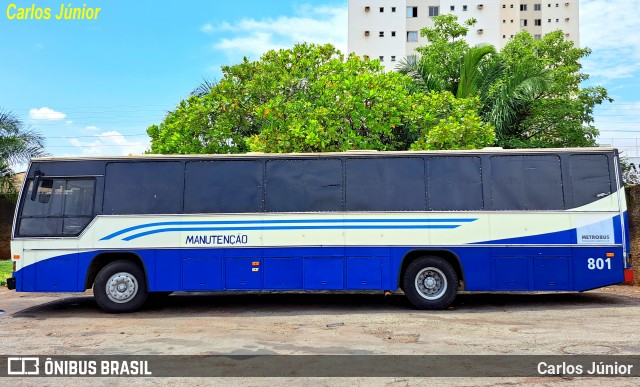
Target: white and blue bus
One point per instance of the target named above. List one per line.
(427, 223)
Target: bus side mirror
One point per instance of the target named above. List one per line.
(34, 189)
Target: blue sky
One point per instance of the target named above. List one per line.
(92, 87)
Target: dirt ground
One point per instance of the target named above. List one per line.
(603, 321)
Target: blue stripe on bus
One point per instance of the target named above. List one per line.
(162, 230)
(530, 268)
(563, 237)
(147, 225)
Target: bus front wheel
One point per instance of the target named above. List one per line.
(430, 283)
(120, 287)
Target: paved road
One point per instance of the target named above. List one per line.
(603, 321)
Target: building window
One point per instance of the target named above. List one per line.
(464, 7)
(393, 58)
(557, 20)
(504, 6)
(537, 36)
(381, 9)
(393, 9)
(537, 7)
(381, 34)
(523, 22)
(412, 11)
(512, 21)
(412, 36)
(549, 20)
(504, 21)
(393, 33)
(537, 22)
(549, 5)
(523, 7)
(381, 58)
(556, 5)
(511, 6)
(504, 36)
(453, 8)
(434, 11)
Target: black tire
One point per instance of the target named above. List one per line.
(430, 283)
(120, 287)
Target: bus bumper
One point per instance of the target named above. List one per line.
(628, 275)
(11, 283)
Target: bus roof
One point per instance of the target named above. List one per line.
(491, 150)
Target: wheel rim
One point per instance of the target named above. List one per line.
(431, 283)
(122, 287)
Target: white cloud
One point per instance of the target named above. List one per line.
(69, 122)
(110, 143)
(254, 37)
(207, 28)
(610, 30)
(92, 128)
(45, 114)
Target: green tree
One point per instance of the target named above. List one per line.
(530, 91)
(312, 98)
(450, 123)
(507, 94)
(465, 76)
(561, 115)
(17, 145)
(441, 59)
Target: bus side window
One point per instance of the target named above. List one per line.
(526, 183)
(590, 178)
(385, 184)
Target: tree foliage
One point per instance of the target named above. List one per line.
(447, 46)
(312, 98)
(17, 145)
(450, 123)
(562, 114)
(530, 91)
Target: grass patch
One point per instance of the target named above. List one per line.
(6, 269)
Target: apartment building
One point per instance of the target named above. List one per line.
(390, 29)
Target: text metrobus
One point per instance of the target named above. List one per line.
(429, 223)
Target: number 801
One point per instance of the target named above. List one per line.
(598, 263)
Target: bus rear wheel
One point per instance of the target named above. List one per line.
(430, 283)
(120, 287)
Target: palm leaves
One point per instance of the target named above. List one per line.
(505, 91)
(204, 87)
(473, 71)
(423, 77)
(17, 146)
